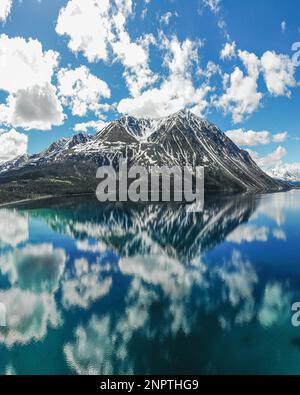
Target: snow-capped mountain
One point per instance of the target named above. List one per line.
(69, 165)
(286, 172)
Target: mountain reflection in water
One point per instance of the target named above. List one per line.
(94, 289)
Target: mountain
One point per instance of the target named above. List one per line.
(286, 172)
(69, 166)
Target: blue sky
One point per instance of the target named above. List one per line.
(87, 62)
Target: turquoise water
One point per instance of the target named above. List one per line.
(150, 289)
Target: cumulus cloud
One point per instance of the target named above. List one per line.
(271, 160)
(275, 305)
(280, 137)
(241, 97)
(248, 234)
(97, 29)
(248, 138)
(86, 126)
(251, 138)
(37, 268)
(279, 73)
(229, 51)
(28, 316)
(213, 5)
(34, 272)
(251, 63)
(36, 107)
(5, 8)
(88, 353)
(24, 64)
(87, 24)
(12, 145)
(239, 279)
(14, 228)
(81, 90)
(177, 90)
(86, 287)
(25, 74)
(135, 59)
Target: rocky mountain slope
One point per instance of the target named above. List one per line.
(69, 166)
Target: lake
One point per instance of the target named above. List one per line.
(151, 289)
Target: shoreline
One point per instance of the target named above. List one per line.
(16, 203)
(36, 199)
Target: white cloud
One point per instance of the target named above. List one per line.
(275, 305)
(248, 138)
(23, 63)
(248, 234)
(86, 287)
(135, 59)
(241, 97)
(34, 273)
(228, 52)
(165, 18)
(251, 138)
(169, 98)
(239, 278)
(25, 74)
(213, 5)
(12, 144)
(279, 234)
(210, 70)
(87, 24)
(94, 125)
(36, 107)
(283, 26)
(279, 73)
(5, 8)
(81, 90)
(18, 230)
(251, 63)
(280, 137)
(28, 316)
(97, 29)
(177, 90)
(271, 160)
(35, 267)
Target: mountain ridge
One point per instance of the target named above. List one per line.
(69, 165)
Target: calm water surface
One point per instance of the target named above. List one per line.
(103, 289)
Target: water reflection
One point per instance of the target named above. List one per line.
(150, 288)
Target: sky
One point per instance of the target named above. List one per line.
(69, 66)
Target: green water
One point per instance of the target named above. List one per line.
(150, 289)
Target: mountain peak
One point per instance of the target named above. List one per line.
(180, 139)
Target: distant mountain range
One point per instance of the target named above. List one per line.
(286, 172)
(69, 166)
